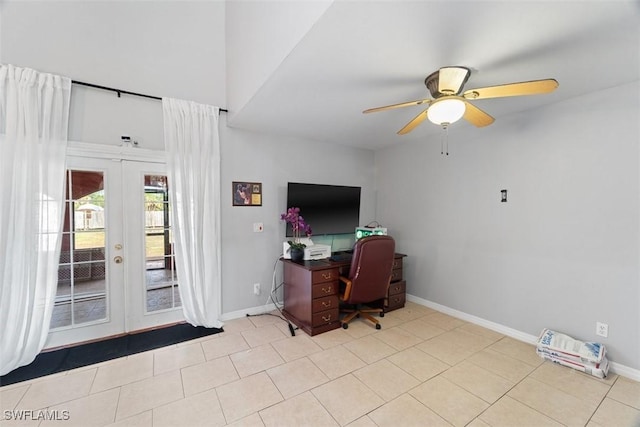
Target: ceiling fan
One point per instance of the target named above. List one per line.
(450, 104)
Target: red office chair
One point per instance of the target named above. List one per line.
(369, 278)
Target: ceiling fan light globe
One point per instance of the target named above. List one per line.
(448, 110)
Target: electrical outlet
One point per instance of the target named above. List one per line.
(256, 289)
(258, 227)
(602, 329)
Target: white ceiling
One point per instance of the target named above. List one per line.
(363, 54)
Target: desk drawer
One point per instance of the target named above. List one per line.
(325, 317)
(328, 275)
(324, 289)
(395, 301)
(326, 303)
(396, 274)
(397, 288)
(397, 263)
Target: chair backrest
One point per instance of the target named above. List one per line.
(371, 266)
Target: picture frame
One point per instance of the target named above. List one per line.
(245, 193)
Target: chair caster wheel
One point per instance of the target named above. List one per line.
(345, 325)
(382, 314)
(378, 326)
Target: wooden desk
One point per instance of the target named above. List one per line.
(311, 292)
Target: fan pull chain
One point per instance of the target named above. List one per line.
(444, 139)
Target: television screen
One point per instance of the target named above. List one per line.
(329, 209)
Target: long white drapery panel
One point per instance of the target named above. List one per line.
(34, 119)
(192, 145)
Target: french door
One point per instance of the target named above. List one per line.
(117, 270)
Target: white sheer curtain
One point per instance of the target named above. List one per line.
(193, 161)
(34, 118)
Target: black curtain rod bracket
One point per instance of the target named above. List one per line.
(119, 92)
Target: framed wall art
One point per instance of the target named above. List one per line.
(246, 193)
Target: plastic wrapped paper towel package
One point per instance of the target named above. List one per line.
(588, 357)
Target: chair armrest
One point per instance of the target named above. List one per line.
(347, 289)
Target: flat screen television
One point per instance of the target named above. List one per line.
(329, 209)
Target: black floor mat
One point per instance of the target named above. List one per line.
(87, 354)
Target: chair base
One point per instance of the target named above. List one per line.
(354, 313)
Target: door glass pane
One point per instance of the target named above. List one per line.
(81, 296)
(161, 280)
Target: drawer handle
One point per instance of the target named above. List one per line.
(397, 288)
(397, 300)
(327, 319)
(327, 290)
(326, 276)
(326, 303)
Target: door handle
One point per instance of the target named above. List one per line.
(117, 259)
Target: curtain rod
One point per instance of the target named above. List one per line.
(126, 92)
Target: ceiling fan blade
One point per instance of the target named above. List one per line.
(403, 104)
(451, 79)
(413, 123)
(476, 116)
(513, 89)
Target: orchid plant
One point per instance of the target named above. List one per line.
(298, 226)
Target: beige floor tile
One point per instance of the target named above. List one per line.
(422, 329)
(124, 371)
(47, 392)
(614, 413)
(336, 362)
(247, 395)
(176, 358)
(254, 360)
(626, 391)
(145, 419)
(194, 411)
(93, 410)
(554, 403)
(11, 395)
(483, 332)
(398, 338)
(296, 347)
(578, 384)
(482, 383)
(443, 321)
(518, 350)
(500, 364)
(347, 398)
(301, 410)
(227, 344)
(386, 379)
(148, 394)
(508, 412)
(363, 421)
(449, 401)
(411, 311)
(370, 348)
(418, 363)
(332, 338)
(478, 423)
(238, 325)
(451, 347)
(359, 328)
(265, 335)
(205, 376)
(296, 377)
(406, 411)
(252, 420)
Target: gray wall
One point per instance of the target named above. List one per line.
(562, 252)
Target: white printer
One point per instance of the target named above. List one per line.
(311, 251)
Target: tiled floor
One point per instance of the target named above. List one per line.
(423, 368)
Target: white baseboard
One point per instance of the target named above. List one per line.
(268, 308)
(614, 367)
